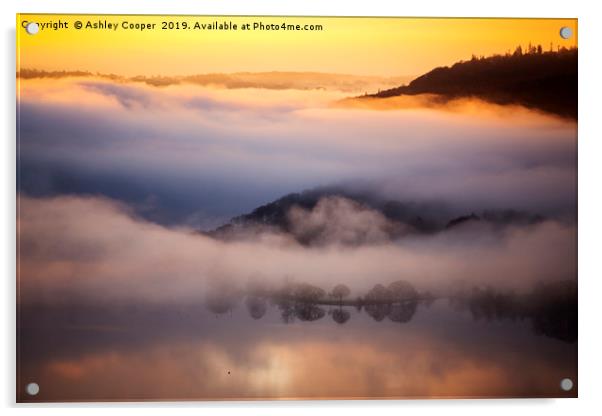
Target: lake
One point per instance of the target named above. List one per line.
(256, 349)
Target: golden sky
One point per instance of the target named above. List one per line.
(366, 46)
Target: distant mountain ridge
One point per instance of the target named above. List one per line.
(273, 80)
(546, 81)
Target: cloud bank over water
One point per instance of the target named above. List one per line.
(197, 156)
(116, 179)
(96, 251)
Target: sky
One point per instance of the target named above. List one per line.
(364, 46)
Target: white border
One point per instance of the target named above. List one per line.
(590, 206)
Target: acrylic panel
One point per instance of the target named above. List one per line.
(245, 208)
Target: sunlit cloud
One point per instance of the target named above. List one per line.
(140, 143)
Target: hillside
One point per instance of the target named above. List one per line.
(401, 217)
(545, 81)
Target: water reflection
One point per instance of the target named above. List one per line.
(256, 306)
(378, 312)
(340, 315)
(402, 312)
(551, 307)
(479, 343)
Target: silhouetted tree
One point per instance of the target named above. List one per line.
(378, 294)
(308, 293)
(339, 292)
(545, 81)
(402, 290)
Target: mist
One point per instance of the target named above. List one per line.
(195, 156)
(97, 251)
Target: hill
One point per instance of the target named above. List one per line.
(394, 219)
(545, 81)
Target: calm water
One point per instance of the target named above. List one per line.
(259, 350)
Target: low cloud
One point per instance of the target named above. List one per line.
(96, 251)
(337, 220)
(206, 154)
(127, 96)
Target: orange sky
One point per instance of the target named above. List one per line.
(368, 46)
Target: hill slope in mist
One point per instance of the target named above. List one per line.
(337, 215)
(545, 81)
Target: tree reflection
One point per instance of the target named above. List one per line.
(378, 311)
(303, 311)
(340, 315)
(308, 312)
(555, 310)
(287, 311)
(257, 306)
(220, 304)
(402, 312)
(551, 307)
(222, 297)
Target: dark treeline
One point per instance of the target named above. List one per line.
(534, 78)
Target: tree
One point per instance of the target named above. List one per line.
(308, 293)
(378, 294)
(402, 290)
(339, 292)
